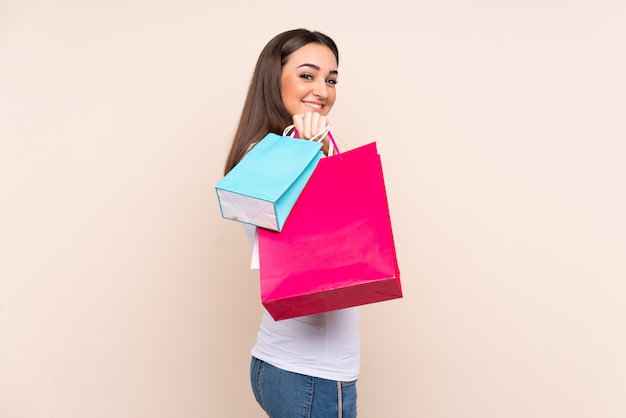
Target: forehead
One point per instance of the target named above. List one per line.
(313, 53)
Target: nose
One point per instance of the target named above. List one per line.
(321, 89)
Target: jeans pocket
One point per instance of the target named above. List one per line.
(348, 385)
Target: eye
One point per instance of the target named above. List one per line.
(306, 76)
(331, 81)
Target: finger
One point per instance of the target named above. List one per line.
(315, 117)
(321, 123)
(298, 124)
(307, 126)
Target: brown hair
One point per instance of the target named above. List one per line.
(263, 110)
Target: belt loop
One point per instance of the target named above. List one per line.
(339, 400)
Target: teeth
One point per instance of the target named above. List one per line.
(313, 105)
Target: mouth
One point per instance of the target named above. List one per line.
(315, 106)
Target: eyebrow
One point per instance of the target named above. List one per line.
(317, 67)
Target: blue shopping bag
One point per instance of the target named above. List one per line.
(262, 189)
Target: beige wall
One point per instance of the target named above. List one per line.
(501, 127)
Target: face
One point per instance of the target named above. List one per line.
(308, 80)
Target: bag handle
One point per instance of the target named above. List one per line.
(289, 128)
(316, 138)
(332, 143)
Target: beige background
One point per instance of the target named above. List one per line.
(501, 128)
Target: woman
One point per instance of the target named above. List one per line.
(306, 366)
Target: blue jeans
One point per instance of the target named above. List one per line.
(284, 394)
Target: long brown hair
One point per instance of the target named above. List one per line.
(263, 110)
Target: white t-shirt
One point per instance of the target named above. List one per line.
(325, 345)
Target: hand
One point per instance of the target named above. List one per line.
(310, 124)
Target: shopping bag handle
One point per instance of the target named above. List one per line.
(316, 138)
(332, 143)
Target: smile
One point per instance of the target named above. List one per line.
(313, 105)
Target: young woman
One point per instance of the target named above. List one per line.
(308, 366)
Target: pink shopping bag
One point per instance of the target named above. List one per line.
(336, 249)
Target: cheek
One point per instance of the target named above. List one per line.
(332, 95)
(284, 87)
(288, 88)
